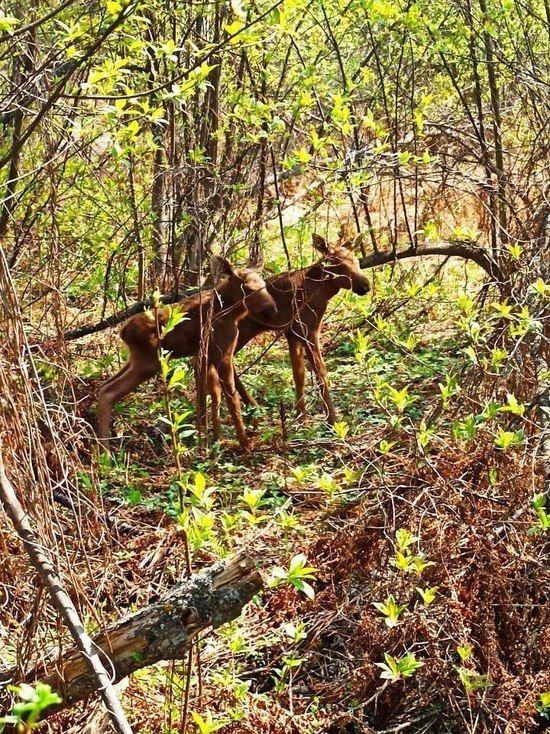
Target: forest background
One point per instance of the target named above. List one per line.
(405, 549)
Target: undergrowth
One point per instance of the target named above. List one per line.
(404, 550)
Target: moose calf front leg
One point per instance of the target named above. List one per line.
(246, 397)
(315, 358)
(225, 373)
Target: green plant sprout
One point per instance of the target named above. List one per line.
(469, 677)
(404, 559)
(328, 484)
(385, 446)
(472, 680)
(254, 500)
(424, 435)
(341, 429)
(464, 652)
(427, 595)
(498, 358)
(540, 287)
(304, 474)
(297, 573)
(449, 389)
(209, 724)
(352, 476)
(390, 610)
(466, 429)
(198, 492)
(394, 669)
(512, 405)
(404, 539)
(505, 439)
(27, 713)
(287, 520)
(361, 345)
(198, 527)
(542, 705)
(296, 632)
(235, 638)
(543, 518)
(401, 398)
(286, 670)
(514, 249)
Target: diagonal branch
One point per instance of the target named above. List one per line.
(87, 654)
(163, 630)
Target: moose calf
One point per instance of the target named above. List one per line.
(301, 298)
(236, 293)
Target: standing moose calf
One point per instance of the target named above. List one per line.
(301, 298)
(237, 292)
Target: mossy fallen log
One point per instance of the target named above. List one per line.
(163, 630)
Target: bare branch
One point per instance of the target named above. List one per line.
(465, 250)
(87, 656)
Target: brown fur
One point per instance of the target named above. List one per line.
(302, 297)
(215, 313)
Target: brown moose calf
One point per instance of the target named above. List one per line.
(219, 310)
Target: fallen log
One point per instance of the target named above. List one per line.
(163, 630)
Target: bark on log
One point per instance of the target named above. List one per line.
(161, 631)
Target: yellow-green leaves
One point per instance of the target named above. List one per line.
(393, 669)
(543, 704)
(296, 574)
(7, 22)
(428, 595)
(543, 517)
(405, 560)
(540, 288)
(390, 610)
(175, 317)
(505, 439)
(341, 114)
(515, 250)
(107, 76)
(341, 429)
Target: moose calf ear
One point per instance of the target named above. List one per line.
(354, 243)
(220, 267)
(320, 244)
(258, 263)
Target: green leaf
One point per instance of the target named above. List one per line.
(514, 250)
(404, 538)
(428, 595)
(7, 22)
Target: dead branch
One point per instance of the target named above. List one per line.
(161, 631)
(123, 314)
(466, 250)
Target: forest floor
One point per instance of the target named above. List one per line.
(430, 610)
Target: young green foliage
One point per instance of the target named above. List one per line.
(394, 669)
(298, 574)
